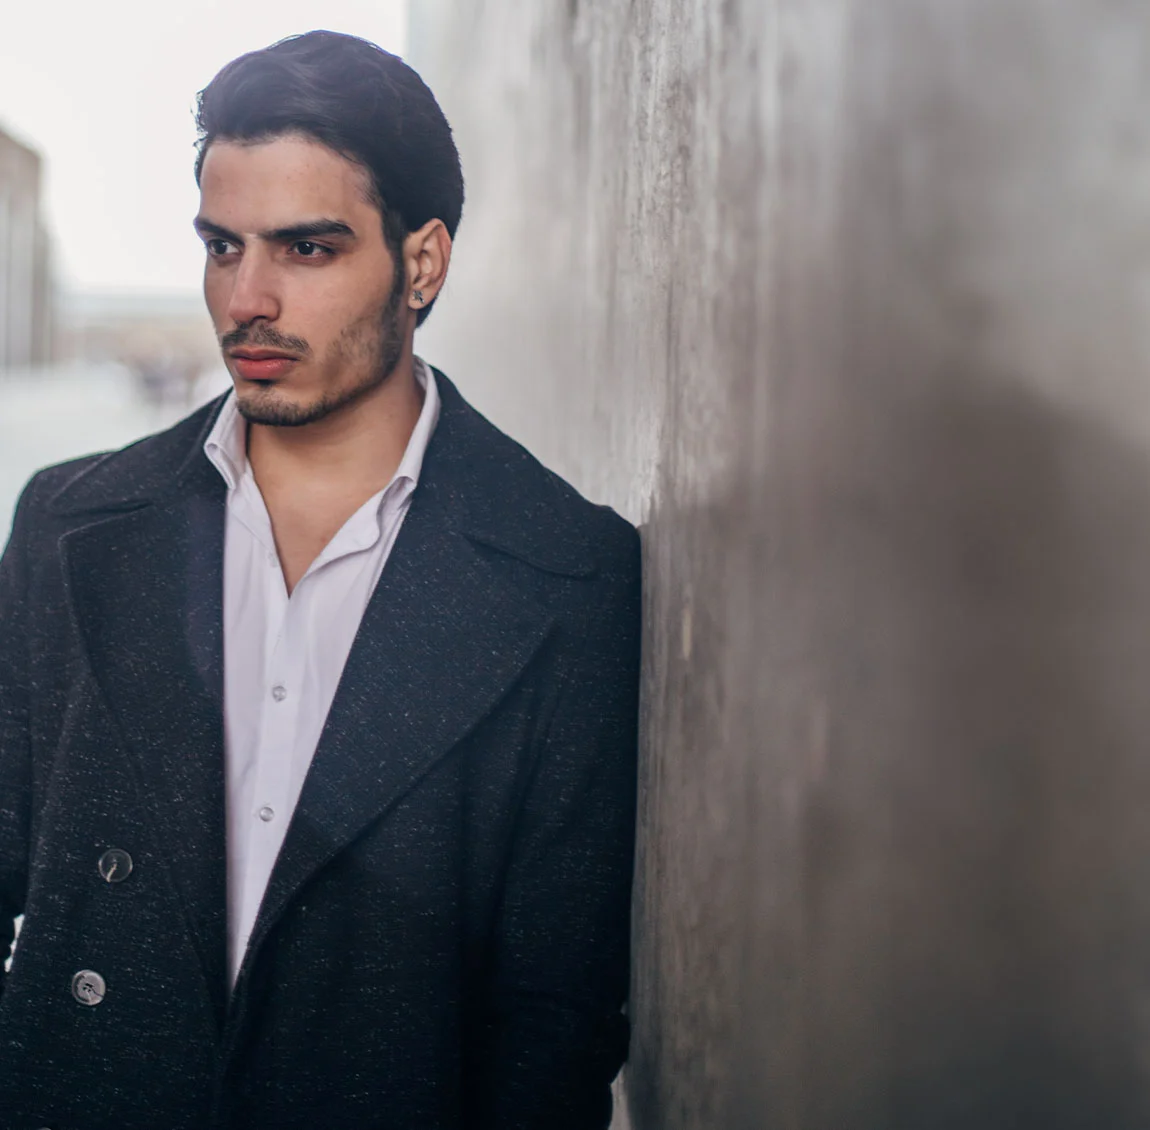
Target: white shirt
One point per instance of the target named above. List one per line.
(284, 655)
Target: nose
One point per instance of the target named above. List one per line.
(254, 291)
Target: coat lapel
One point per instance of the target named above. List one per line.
(146, 592)
(443, 638)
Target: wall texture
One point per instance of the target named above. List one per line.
(847, 303)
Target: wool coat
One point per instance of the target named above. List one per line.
(443, 944)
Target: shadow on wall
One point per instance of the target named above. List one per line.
(1009, 602)
(932, 908)
(941, 872)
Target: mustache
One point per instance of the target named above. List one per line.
(263, 336)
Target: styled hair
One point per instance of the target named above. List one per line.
(360, 101)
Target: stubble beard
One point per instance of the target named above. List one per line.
(378, 355)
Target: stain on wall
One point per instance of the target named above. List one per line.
(846, 303)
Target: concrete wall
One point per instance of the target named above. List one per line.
(847, 303)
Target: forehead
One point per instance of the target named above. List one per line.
(275, 182)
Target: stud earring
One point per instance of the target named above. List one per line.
(418, 296)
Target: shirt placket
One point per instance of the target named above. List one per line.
(279, 690)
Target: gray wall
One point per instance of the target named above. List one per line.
(847, 304)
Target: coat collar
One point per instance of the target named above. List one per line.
(445, 634)
(488, 487)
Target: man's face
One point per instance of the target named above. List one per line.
(305, 296)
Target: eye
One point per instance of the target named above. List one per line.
(217, 248)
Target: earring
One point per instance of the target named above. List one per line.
(418, 296)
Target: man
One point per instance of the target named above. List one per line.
(317, 711)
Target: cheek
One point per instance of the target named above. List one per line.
(352, 321)
(353, 343)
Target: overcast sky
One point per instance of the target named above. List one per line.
(105, 91)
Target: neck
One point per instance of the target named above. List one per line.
(357, 446)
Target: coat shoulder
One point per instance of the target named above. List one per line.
(128, 476)
(517, 505)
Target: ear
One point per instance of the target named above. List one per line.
(426, 256)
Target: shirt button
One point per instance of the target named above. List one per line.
(279, 693)
(267, 813)
(115, 865)
(88, 987)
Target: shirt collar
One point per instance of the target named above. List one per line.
(226, 445)
(411, 465)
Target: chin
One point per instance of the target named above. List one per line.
(272, 408)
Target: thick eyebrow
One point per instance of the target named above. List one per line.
(206, 228)
(310, 229)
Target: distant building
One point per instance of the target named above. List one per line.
(165, 339)
(26, 322)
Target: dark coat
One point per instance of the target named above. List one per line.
(443, 942)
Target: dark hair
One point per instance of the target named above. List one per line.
(357, 99)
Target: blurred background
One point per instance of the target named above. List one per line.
(103, 332)
(847, 304)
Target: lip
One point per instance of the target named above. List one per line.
(261, 364)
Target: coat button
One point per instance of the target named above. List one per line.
(88, 987)
(115, 865)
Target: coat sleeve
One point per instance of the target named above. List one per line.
(556, 1036)
(15, 754)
